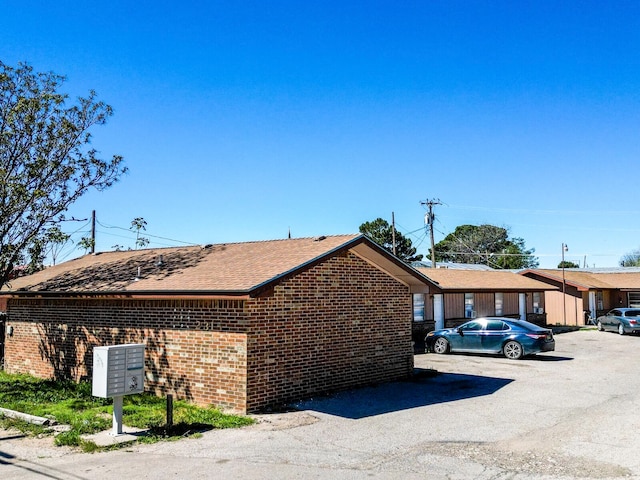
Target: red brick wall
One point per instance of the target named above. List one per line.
(340, 324)
(194, 349)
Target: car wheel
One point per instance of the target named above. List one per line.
(512, 350)
(621, 329)
(600, 327)
(441, 345)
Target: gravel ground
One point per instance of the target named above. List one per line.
(568, 414)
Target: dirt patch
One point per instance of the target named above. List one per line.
(27, 447)
(539, 462)
(283, 421)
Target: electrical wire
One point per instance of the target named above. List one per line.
(146, 234)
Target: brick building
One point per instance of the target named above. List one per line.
(242, 326)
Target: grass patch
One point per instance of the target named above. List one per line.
(71, 403)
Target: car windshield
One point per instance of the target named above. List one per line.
(632, 313)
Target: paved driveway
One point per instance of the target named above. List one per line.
(572, 413)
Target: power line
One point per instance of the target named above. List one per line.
(419, 239)
(83, 232)
(103, 232)
(147, 234)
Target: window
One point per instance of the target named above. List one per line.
(537, 303)
(418, 307)
(468, 306)
(599, 300)
(471, 326)
(536, 300)
(499, 302)
(634, 299)
(495, 325)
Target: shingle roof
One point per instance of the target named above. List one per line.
(230, 267)
(593, 280)
(475, 280)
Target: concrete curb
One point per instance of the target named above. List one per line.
(107, 438)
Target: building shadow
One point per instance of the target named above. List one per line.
(420, 391)
(548, 358)
(541, 357)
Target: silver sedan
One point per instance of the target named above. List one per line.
(621, 320)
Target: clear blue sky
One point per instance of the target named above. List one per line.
(242, 120)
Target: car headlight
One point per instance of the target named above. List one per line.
(430, 334)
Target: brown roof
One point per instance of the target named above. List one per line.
(592, 280)
(475, 280)
(235, 268)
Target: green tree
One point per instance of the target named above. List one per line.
(138, 224)
(86, 243)
(487, 245)
(54, 241)
(568, 264)
(382, 233)
(631, 259)
(46, 163)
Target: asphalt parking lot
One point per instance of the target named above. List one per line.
(572, 413)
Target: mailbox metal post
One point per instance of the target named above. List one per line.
(117, 415)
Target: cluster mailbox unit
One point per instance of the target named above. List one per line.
(118, 370)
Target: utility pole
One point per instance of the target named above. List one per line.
(393, 231)
(93, 231)
(564, 287)
(429, 219)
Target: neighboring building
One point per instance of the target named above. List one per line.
(588, 291)
(451, 265)
(459, 295)
(243, 326)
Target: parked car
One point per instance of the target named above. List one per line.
(513, 338)
(621, 320)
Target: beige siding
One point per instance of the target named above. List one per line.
(484, 304)
(453, 305)
(573, 309)
(512, 304)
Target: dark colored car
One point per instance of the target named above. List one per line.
(621, 320)
(512, 338)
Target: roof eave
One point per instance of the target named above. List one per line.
(581, 287)
(174, 294)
